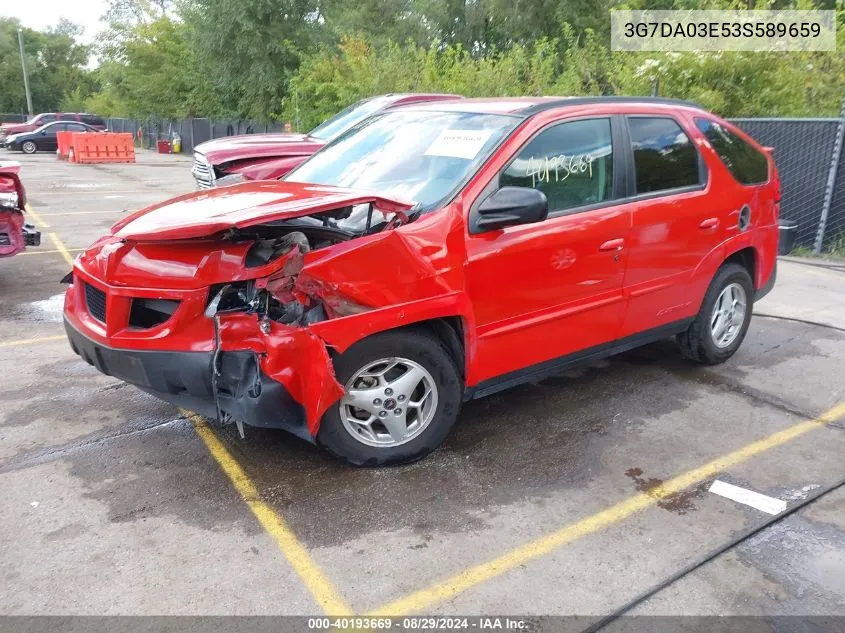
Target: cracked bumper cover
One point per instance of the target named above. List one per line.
(184, 379)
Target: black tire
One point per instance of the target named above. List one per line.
(415, 345)
(697, 341)
(29, 147)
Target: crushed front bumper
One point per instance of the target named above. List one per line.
(185, 379)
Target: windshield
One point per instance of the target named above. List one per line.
(421, 156)
(347, 118)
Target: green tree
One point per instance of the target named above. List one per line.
(250, 48)
(55, 62)
(148, 65)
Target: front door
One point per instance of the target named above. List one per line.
(545, 290)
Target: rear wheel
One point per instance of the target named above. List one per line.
(403, 393)
(29, 147)
(722, 322)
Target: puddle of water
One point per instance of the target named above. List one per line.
(48, 310)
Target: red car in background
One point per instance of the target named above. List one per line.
(15, 234)
(225, 161)
(7, 129)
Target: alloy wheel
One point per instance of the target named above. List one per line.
(388, 402)
(728, 315)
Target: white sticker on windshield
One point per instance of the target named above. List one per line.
(458, 143)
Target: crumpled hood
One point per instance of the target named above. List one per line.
(251, 146)
(205, 213)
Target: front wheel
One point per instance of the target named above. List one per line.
(29, 147)
(403, 393)
(722, 322)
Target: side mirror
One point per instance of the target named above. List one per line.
(509, 206)
(43, 132)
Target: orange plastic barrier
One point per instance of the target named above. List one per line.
(93, 147)
(63, 139)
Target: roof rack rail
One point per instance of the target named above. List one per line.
(576, 101)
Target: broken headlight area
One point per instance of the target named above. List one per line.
(285, 296)
(239, 296)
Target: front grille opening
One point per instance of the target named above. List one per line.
(5, 240)
(203, 172)
(147, 313)
(95, 299)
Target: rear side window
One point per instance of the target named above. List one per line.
(92, 120)
(664, 156)
(572, 163)
(746, 164)
(76, 127)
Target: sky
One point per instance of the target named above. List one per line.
(39, 14)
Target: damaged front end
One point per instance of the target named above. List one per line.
(221, 323)
(15, 233)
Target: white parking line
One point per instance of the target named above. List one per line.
(769, 505)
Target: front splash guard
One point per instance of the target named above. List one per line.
(294, 357)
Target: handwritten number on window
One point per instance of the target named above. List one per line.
(559, 167)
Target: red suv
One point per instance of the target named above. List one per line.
(438, 253)
(7, 129)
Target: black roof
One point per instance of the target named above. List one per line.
(577, 101)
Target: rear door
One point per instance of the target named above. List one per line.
(676, 221)
(547, 290)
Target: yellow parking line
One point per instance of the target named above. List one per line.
(61, 248)
(312, 576)
(31, 341)
(69, 250)
(447, 589)
(35, 216)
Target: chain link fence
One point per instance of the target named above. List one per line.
(808, 153)
(192, 132)
(805, 154)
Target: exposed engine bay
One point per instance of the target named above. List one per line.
(282, 296)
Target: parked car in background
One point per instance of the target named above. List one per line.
(15, 233)
(44, 138)
(7, 129)
(234, 159)
(437, 253)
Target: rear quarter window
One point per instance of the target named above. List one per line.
(747, 165)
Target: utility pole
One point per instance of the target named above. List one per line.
(25, 78)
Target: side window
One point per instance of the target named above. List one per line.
(47, 118)
(664, 156)
(76, 127)
(746, 164)
(572, 163)
(67, 117)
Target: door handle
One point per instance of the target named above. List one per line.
(613, 245)
(709, 223)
